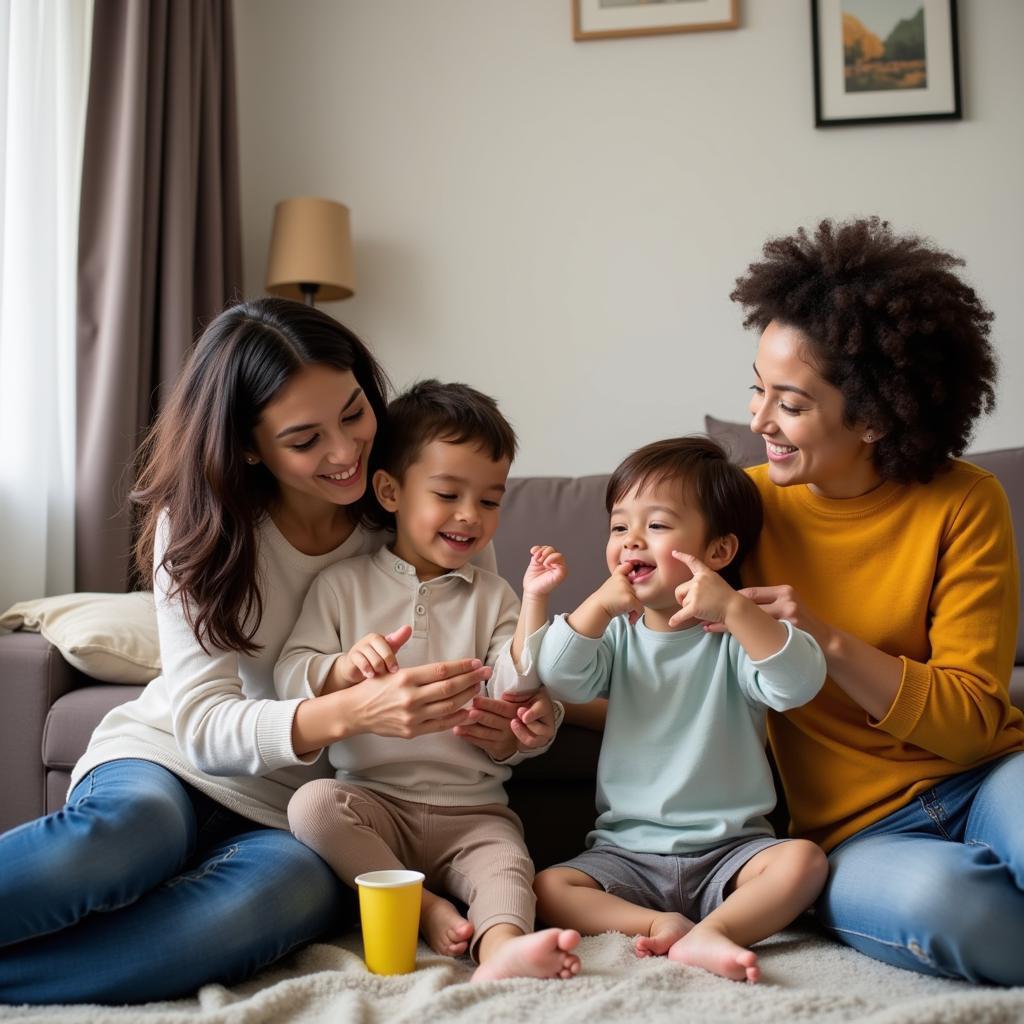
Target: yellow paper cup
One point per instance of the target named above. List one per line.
(389, 907)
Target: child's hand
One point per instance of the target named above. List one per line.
(534, 724)
(488, 726)
(516, 722)
(617, 596)
(705, 596)
(373, 655)
(546, 570)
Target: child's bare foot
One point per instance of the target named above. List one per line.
(545, 954)
(715, 952)
(445, 930)
(666, 930)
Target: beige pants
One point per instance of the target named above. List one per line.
(475, 854)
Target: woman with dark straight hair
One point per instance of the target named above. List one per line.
(171, 865)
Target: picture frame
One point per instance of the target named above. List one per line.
(611, 19)
(877, 61)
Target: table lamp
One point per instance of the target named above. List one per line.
(311, 251)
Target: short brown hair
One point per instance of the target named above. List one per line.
(727, 498)
(431, 411)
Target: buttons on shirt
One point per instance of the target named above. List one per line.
(421, 610)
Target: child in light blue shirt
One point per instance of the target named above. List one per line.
(682, 854)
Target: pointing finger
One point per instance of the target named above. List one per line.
(692, 562)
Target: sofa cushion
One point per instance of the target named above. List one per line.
(744, 447)
(72, 719)
(1017, 686)
(1008, 466)
(567, 512)
(110, 637)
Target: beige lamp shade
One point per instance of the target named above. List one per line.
(311, 251)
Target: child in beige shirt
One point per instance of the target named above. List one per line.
(435, 803)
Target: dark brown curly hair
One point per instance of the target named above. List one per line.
(891, 325)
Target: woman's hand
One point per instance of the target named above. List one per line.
(407, 703)
(869, 676)
(782, 603)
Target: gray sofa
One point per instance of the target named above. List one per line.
(49, 709)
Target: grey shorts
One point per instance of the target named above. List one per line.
(691, 884)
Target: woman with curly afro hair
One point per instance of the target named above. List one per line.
(873, 364)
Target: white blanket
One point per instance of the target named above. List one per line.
(805, 978)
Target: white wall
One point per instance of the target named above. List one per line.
(560, 223)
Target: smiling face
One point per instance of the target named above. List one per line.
(315, 438)
(800, 416)
(446, 505)
(645, 527)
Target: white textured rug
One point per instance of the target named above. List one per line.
(806, 978)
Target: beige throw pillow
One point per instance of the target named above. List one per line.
(111, 637)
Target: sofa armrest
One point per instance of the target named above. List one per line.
(32, 676)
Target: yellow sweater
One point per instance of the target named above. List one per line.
(927, 573)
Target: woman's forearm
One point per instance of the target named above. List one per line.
(868, 676)
(321, 721)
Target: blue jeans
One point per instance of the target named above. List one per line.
(141, 888)
(938, 886)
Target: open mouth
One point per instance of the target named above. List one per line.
(459, 541)
(343, 477)
(779, 452)
(640, 571)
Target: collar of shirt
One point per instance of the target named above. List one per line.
(387, 561)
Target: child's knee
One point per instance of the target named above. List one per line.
(545, 882)
(317, 807)
(806, 864)
(551, 882)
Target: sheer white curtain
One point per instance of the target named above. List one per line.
(44, 65)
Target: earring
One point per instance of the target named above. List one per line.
(251, 459)
(869, 437)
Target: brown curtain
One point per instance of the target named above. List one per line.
(160, 248)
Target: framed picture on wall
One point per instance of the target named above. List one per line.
(606, 19)
(884, 60)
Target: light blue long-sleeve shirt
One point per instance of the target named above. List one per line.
(683, 764)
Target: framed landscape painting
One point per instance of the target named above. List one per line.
(884, 60)
(606, 19)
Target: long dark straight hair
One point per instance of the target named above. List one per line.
(194, 482)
